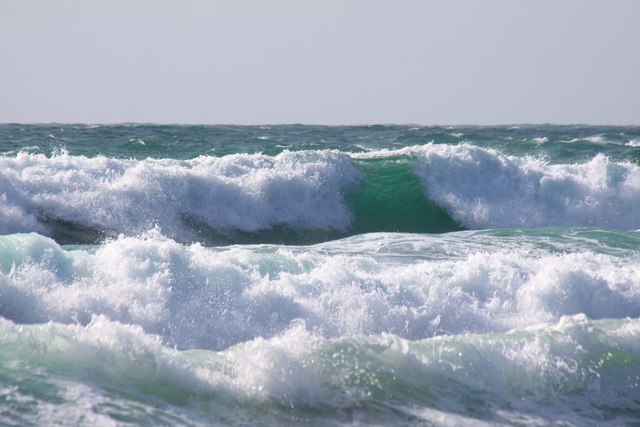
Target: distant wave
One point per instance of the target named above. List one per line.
(429, 188)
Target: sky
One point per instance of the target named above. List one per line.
(320, 62)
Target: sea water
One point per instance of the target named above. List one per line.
(317, 275)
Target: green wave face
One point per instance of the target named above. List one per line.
(390, 197)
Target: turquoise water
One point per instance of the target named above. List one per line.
(315, 275)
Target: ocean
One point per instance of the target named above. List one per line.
(319, 275)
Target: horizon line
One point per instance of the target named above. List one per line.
(526, 124)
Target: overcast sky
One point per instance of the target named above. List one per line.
(325, 62)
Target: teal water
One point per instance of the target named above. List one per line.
(318, 275)
(558, 143)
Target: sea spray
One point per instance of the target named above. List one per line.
(302, 197)
(235, 193)
(537, 375)
(319, 275)
(198, 297)
(482, 188)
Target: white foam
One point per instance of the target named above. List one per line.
(542, 375)
(235, 192)
(137, 141)
(633, 143)
(479, 187)
(594, 139)
(597, 139)
(540, 140)
(197, 297)
(482, 188)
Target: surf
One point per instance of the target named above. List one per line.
(310, 196)
(537, 375)
(314, 275)
(411, 285)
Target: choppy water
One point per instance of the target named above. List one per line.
(269, 275)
